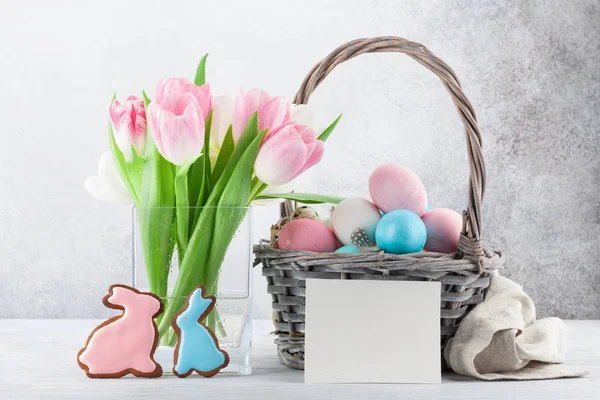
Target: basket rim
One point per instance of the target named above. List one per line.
(375, 259)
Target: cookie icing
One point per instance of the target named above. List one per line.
(197, 346)
(126, 343)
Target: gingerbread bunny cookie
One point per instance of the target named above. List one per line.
(124, 344)
(197, 346)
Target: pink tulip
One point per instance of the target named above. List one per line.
(177, 119)
(128, 120)
(286, 153)
(273, 112)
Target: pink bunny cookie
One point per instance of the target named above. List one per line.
(124, 344)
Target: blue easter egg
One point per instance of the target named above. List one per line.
(401, 232)
(348, 249)
(428, 207)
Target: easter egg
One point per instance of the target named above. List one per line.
(401, 232)
(355, 217)
(275, 229)
(348, 249)
(305, 212)
(396, 187)
(307, 234)
(443, 230)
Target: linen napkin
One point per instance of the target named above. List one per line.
(501, 339)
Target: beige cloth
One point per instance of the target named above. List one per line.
(501, 339)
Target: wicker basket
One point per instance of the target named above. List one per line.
(464, 275)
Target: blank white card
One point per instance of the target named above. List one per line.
(360, 331)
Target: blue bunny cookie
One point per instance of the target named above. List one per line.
(197, 346)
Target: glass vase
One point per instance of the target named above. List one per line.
(231, 317)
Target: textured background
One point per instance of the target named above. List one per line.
(530, 68)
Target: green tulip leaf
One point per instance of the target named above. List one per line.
(325, 134)
(200, 78)
(304, 198)
(121, 164)
(135, 167)
(195, 180)
(201, 176)
(248, 135)
(206, 152)
(224, 155)
(231, 210)
(156, 215)
(182, 199)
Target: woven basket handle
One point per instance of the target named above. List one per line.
(469, 243)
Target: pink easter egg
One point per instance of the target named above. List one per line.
(396, 187)
(309, 235)
(443, 230)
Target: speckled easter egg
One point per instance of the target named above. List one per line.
(348, 249)
(354, 221)
(307, 234)
(396, 187)
(443, 230)
(401, 232)
(275, 229)
(305, 212)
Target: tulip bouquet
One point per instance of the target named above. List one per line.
(191, 163)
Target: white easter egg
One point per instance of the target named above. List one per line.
(352, 215)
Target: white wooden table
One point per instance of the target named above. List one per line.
(38, 361)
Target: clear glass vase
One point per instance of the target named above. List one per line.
(231, 318)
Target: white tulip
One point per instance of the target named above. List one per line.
(221, 120)
(108, 185)
(302, 114)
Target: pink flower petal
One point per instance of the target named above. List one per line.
(153, 112)
(128, 120)
(240, 116)
(314, 156)
(177, 119)
(281, 157)
(307, 134)
(274, 113)
(203, 96)
(178, 102)
(255, 99)
(160, 89)
(182, 136)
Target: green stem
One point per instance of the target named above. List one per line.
(228, 220)
(156, 214)
(192, 267)
(169, 339)
(182, 199)
(257, 187)
(220, 329)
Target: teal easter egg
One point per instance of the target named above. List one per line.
(401, 232)
(347, 249)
